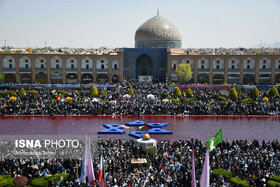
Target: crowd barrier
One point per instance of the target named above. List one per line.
(227, 86)
(144, 117)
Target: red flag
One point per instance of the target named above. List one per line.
(145, 125)
(101, 175)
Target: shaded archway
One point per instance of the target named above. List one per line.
(102, 78)
(25, 78)
(248, 79)
(203, 78)
(265, 79)
(218, 79)
(144, 65)
(115, 79)
(233, 78)
(72, 78)
(56, 78)
(10, 78)
(41, 78)
(277, 78)
(87, 78)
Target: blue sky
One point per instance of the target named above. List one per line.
(111, 23)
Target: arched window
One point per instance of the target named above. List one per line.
(25, 63)
(203, 64)
(102, 63)
(41, 63)
(233, 63)
(249, 64)
(9, 62)
(218, 64)
(189, 61)
(265, 63)
(86, 63)
(56, 63)
(174, 64)
(277, 64)
(71, 63)
(115, 64)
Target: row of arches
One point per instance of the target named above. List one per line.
(71, 78)
(233, 63)
(235, 78)
(56, 63)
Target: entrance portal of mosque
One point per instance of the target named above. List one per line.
(144, 65)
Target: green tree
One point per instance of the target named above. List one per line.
(22, 92)
(62, 92)
(255, 93)
(130, 91)
(34, 92)
(94, 91)
(177, 91)
(233, 93)
(103, 94)
(189, 92)
(184, 72)
(1, 77)
(273, 92)
(9, 93)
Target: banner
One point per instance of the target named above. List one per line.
(215, 140)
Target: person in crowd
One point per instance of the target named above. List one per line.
(207, 102)
(252, 161)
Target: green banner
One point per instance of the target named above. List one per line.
(215, 140)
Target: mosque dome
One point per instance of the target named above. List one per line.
(158, 32)
(146, 137)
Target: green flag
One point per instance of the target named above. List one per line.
(215, 140)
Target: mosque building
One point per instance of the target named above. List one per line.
(157, 53)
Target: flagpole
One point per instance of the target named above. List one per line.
(193, 169)
(205, 176)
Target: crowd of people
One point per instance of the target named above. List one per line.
(203, 102)
(255, 162)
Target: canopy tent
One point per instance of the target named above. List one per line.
(150, 96)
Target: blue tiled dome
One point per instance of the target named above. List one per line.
(158, 32)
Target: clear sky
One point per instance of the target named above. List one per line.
(112, 23)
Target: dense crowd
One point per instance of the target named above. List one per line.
(253, 161)
(206, 102)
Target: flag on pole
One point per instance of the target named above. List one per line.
(84, 164)
(125, 127)
(205, 176)
(87, 166)
(161, 170)
(215, 140)
(56, 95)
(144, 126)
(165, 154)
(193, 169)
(90, 172)
(101, 175)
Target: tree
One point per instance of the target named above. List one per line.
(189, 92)
(184, 72)
(34, 92)
(1, 77)
(103, 94)
(273, 92)
(255, 93)
(22, 92)
(233, 93)
(130, 91)
(177, 91)
(94, 91)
